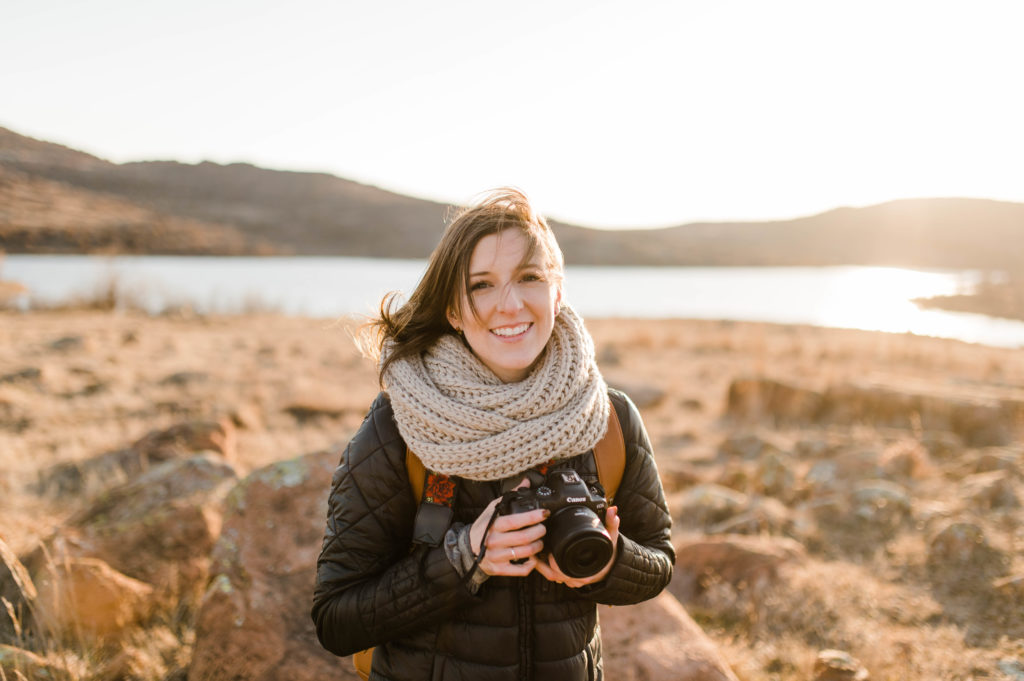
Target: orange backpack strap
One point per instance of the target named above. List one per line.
(610, 455)
(363, 662)
(417, 474)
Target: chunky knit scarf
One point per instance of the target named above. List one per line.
(460, 419)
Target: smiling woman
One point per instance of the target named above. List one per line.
(490, 381)
(509, 311)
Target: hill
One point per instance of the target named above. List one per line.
(57, 199)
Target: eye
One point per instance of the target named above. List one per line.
(478, 285)
(532, 276)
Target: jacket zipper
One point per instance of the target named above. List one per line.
(526, 631)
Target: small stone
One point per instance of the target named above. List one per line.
(67, 343)
(992, 490)
(1012, 668)
(183, 378)
(1001, 459)
(961, 555)
(881, 502)
(774, 475)
(748, 447)
(838, 665)
(26, 374)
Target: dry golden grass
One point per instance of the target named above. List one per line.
(77, 383)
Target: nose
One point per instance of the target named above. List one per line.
(510, 300)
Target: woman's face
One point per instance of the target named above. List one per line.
(516, 304)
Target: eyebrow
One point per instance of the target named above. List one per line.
(520, 268)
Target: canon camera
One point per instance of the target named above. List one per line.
(576, 535)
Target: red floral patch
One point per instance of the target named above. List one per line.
(439, 489)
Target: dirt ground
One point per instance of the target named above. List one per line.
(75, 384)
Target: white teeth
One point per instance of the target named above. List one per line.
(511, 330)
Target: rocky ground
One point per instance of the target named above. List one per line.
(846, 503)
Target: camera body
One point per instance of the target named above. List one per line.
(576, 535)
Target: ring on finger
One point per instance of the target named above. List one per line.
(514, 556)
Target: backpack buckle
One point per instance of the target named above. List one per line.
(432, 522)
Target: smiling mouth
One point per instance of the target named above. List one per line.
(511, 331)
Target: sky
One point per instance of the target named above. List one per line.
(608, 114)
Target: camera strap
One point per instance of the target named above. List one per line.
(436, 495)
(436, 491)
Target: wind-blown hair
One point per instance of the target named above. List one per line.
(414, 326)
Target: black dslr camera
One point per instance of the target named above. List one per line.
(576, 535)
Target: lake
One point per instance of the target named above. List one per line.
(873, 298)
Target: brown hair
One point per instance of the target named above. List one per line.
(418, 323)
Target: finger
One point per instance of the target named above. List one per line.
(546, 571)
(611, 523)
(518, 521)
(509, 569)
(517, 537)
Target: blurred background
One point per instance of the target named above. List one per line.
(835, 136)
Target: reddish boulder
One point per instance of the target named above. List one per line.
(747, 563)
(253, 622)
(658, 641)
(87, 597)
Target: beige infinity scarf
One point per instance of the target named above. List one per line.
(460, 419)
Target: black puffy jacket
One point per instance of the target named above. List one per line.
(371, 590)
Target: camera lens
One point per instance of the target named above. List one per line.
(578, 541)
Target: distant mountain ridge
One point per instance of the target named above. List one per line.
(57, 199)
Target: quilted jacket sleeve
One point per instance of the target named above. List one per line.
(369, 586)
(645, 554)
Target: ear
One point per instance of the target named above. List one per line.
(453, 319)
(558, 301)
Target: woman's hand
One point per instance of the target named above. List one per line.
(511, 538)
(553, 573)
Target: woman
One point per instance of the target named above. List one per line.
(489, 378)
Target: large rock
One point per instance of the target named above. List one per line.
(158, 446)
(748, 564)
(658, 641)
(757, 398)
(87, 597)
(762, 515)
(253, 623)
(707, 504)
(977, 420)
(160, 528)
